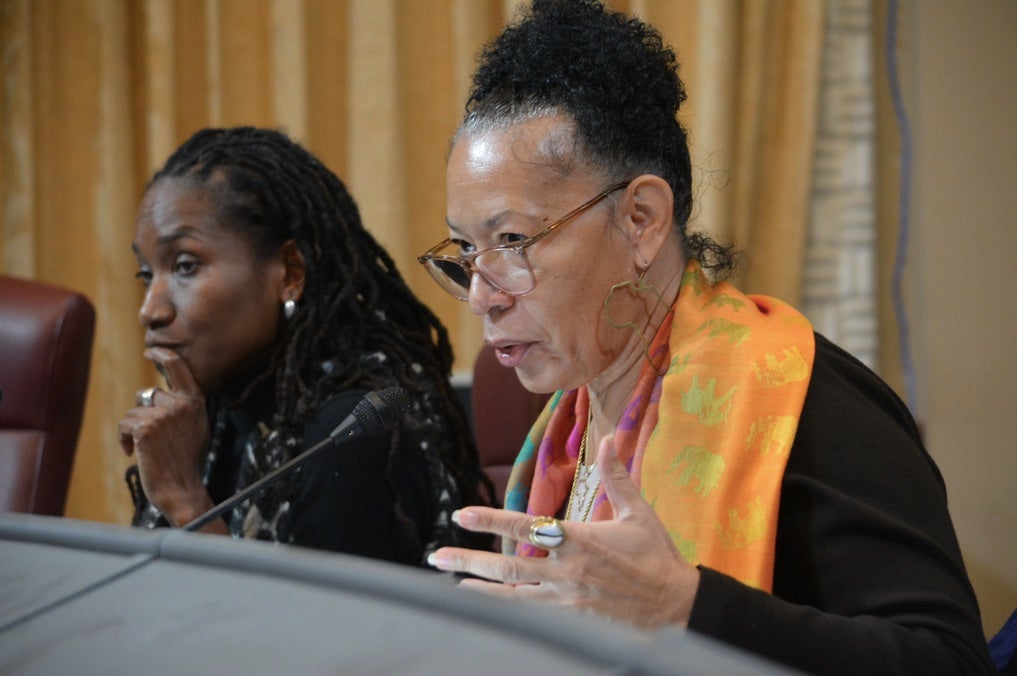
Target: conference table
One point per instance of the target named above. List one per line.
(80, 597)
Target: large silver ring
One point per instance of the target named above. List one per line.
(147, 396)
(546, 532)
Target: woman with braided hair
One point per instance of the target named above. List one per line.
(270, 311)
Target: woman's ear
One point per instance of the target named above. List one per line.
(650, 216)
(294, 269)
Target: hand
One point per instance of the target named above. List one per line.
(626, 568)
(169, 439)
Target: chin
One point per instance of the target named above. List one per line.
(542, 382)
(210, 382)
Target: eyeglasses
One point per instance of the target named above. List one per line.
(506, 267)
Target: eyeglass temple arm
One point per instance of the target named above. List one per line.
(570, 215)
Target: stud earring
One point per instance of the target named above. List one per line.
(289, 308)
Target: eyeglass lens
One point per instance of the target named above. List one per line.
(505, 268)
(454, 274)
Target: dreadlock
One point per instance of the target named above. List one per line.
(358, 323)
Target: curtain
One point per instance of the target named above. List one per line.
(97, 93)
(839, 270)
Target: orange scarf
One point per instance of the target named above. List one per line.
(707, 442)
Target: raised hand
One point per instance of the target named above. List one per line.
(626, 568)
(168, 439)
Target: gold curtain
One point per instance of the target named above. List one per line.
(97, 93)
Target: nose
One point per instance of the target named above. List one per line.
(156, 308)
(485, 297)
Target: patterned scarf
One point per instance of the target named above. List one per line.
(707, 442)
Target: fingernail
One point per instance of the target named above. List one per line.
(464, 518)
(436, 561)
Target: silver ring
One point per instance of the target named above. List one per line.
(546, 533)
(147, 396)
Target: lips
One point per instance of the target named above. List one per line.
(169, 346)
(179, 348)
(510, 355)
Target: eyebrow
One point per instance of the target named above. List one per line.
(492, 222)
(178, 234)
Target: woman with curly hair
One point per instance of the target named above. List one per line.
(706, 460)
(271, 312)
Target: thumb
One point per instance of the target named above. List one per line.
(621, 491)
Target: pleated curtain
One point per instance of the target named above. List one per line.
(97, 93)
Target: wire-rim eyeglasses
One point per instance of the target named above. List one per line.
(504, 267)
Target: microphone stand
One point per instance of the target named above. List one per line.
(376, 412)
(264, 482)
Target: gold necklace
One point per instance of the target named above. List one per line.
(579, 463)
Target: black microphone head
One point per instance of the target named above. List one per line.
(381, 410)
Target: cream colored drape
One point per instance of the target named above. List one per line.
(96, 94)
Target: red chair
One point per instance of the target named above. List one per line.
(46, 335)
(503, 411)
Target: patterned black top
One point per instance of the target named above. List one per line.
(345, 499)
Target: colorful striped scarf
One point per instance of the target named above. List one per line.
(707, 442)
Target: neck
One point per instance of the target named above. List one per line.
(232, 392)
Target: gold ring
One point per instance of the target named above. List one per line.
(546, 532)
(147, 396)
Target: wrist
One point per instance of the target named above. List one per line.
(185, 510)
(686, 589)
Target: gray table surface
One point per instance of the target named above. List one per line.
(87, 598)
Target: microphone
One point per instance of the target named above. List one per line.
(378, 411)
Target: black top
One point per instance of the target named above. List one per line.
(341, 499)
(384, 495)
(868, 575)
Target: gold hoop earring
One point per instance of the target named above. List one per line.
(639, 287)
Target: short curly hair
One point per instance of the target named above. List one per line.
(614, 76)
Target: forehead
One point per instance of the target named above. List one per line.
(542, 145)
(524, 168)
(175, 209)
(170, 199)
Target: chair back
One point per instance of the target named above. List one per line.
(503, 412)
(46, 335)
